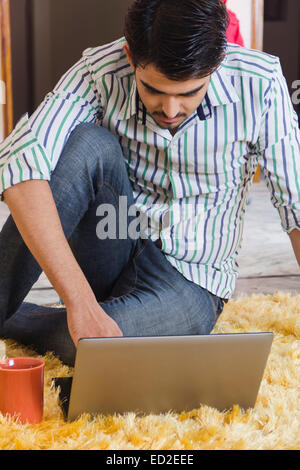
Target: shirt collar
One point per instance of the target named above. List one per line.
(220, 92)
(130, 106)
(133, 105)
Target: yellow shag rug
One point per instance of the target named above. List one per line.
(274, 423)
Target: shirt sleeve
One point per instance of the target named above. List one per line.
(279, 150)
(32, 149)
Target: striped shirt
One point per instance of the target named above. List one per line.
(192, 186)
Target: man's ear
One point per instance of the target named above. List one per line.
(223, 56)
(127, 50)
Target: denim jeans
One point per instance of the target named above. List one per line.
(132, 279)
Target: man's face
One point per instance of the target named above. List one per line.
(169, 102)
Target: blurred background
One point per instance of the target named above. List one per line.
(48, 37)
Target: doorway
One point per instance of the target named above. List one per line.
(282, 38)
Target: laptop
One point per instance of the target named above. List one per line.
(165, 373)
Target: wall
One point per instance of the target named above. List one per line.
(42, 50)
(48, 37)
(1, 107)
(243, 10)
(62, 29)
(282, 38)
(20, 58)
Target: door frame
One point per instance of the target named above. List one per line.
(257, 42)
(6, 66)
(257, 24)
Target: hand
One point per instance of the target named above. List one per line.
(86, 321)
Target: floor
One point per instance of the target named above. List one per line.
(266, 261)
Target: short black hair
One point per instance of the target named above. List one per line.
(183, 39)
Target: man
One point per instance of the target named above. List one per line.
(168, 120)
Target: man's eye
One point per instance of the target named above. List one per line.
(188, 95)
(153, 92)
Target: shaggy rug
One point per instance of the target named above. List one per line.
(274, 423)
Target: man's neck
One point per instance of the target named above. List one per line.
(173, 131)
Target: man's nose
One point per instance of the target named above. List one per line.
(170, 107)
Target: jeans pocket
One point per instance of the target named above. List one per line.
(125, 283)
(140, 247)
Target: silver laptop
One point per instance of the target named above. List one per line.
(166, 373)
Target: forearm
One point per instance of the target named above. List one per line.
(34, 211)
(295, 240)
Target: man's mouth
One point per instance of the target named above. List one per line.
(169, 120)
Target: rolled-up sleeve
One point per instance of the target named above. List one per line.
(279, 151)
(32, 149)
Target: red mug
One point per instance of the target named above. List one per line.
(22, 389)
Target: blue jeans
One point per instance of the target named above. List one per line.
(132, 279)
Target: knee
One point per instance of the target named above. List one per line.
(88, 146)
(95, 142)
(208, 314)
(89, 132)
